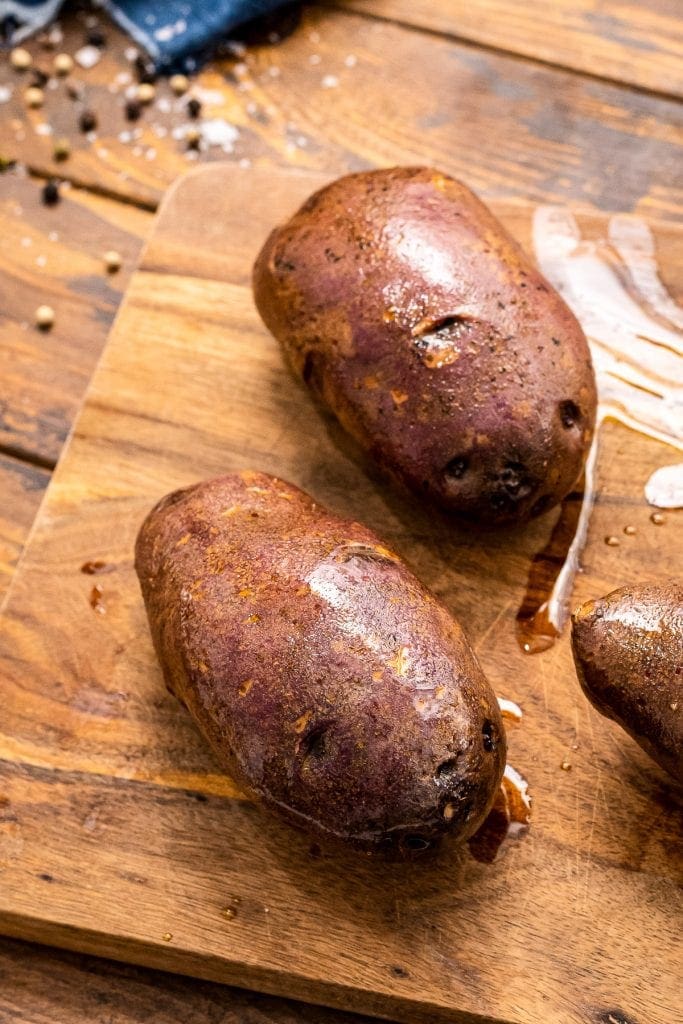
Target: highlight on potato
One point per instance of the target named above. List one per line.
(416, 318)
(628, 652)
(328, 681)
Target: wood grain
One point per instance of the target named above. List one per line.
(40, 986)
(115, 797)
(21, 488)
(507, 126)
(54, 256)
(626, 41)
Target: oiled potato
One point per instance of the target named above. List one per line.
(327, 680)
(628, 650)
(419, 321)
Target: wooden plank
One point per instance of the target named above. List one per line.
(52, 987)
(118, 801)
(505, 125)
(626, 41)
(54, 256)
(21, 489)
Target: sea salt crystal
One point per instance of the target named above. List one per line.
(330, 82)
(5, 93)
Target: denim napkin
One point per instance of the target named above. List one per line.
(175, 33)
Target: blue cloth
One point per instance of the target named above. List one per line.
(175, 33)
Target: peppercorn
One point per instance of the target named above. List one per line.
(61, 150)
(50, 193)
(112, 261)
(193, 138)
(87, 122)
(45, 317)
(133, 110)
(194, 108)
(145, 69)
(20, 59)
(96, 37)
(63, 64)
(34, 96)
(146, 92)
(179, 84)
(38, 78)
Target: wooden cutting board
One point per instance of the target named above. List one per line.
(118, 833)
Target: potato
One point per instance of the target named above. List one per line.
(412, 313)
(327, 680)
(628, 650)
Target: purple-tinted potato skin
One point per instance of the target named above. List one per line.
(326, 679)
(628, 651)
(420, 322)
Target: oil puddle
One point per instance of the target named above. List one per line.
(635, 333)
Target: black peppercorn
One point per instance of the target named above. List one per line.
(133, 110)
(194, 108)
(145, 69)
(96, 37)
(38, 79)
(87, 122)
(50, 193)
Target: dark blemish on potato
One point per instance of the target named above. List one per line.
(284, 265)
(314, 743)
(489, 737)
(446, 770)
(456, 468)
(399, 972)
(415, 844)
(570, 414)
(332, 256)
(556, 341)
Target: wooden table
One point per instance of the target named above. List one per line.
(572, 101)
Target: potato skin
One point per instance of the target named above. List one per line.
(628, 651)
(328, 681)
(420, 322)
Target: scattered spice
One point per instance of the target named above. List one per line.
(194, 108)
(96, 602)
(112, 261)
(146, 92)
(38, 79)
(96, 566)
(50, 193)
(87, 122)
(566, 765)
(45, 317)
(34, 97)
(630, 531)
(96, 37)
(145, 69)
(61, 150)
(612, 541)
(193, 138)
(658, 518)
(132, 110)
(20, 59)
(167, 936)
(63, 64)
(229, 913)
(179, 84)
